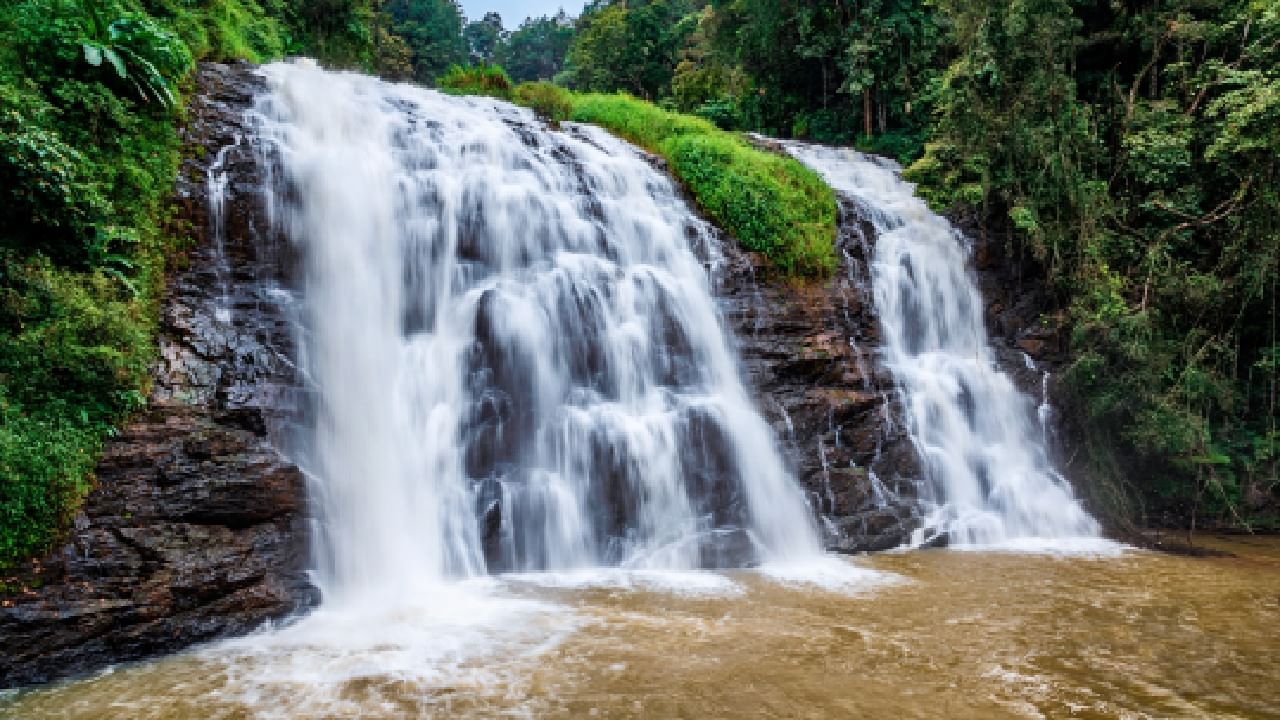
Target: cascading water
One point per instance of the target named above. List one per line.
(515, 358)
(978, 436)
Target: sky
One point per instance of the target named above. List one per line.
(514, 12)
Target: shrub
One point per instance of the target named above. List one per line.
(48, 202)
(44, 465)
(489, 80)
(150, 58)
(724, 113)
(73, 359)
(770, 203)
(549, 101)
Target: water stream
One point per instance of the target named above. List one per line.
(981, 440)
(516, 357)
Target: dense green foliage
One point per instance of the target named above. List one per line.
(1133, 150)
(834, 72)
(537, 49)
(438, 37)
(629, 47)
(483, 37)
(90, 92)
(432, 30)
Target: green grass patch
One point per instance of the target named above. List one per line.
(549, 101)
(770, 203)
(488, 80)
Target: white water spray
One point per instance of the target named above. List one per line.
(978, 436)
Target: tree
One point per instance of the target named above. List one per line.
(433, 31)
(483, 38)
(631, 46)
(537, 49)
(834, 70)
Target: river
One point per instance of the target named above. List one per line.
(923, 634)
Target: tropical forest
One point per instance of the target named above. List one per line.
(639, 358)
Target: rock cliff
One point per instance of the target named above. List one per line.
(195, 527)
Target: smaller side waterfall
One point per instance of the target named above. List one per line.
(978, 437)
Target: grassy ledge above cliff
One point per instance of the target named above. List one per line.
(771, 204)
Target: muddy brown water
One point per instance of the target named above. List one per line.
(950, 635)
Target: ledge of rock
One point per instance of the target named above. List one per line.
(195, 527)
(810, 353)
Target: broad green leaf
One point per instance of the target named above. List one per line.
(92, 53)
(117, 62)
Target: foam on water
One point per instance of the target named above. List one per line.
(697, 584)
(828, 573)
(1070, 546)
(342, 659)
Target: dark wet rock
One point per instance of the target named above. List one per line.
(195, 527)
(875, 530)
(810, 353)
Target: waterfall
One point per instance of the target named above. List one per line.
(980, 440)
(514, 359)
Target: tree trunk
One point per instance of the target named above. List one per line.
(866, 110)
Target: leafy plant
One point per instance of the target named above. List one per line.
(551, 102)
(489, 80)
(141, 52)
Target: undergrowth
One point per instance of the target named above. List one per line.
(90, 101)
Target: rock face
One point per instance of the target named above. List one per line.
(810, 353)
(195, 528)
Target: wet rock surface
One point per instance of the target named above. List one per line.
(810, 352)
(194, 529)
